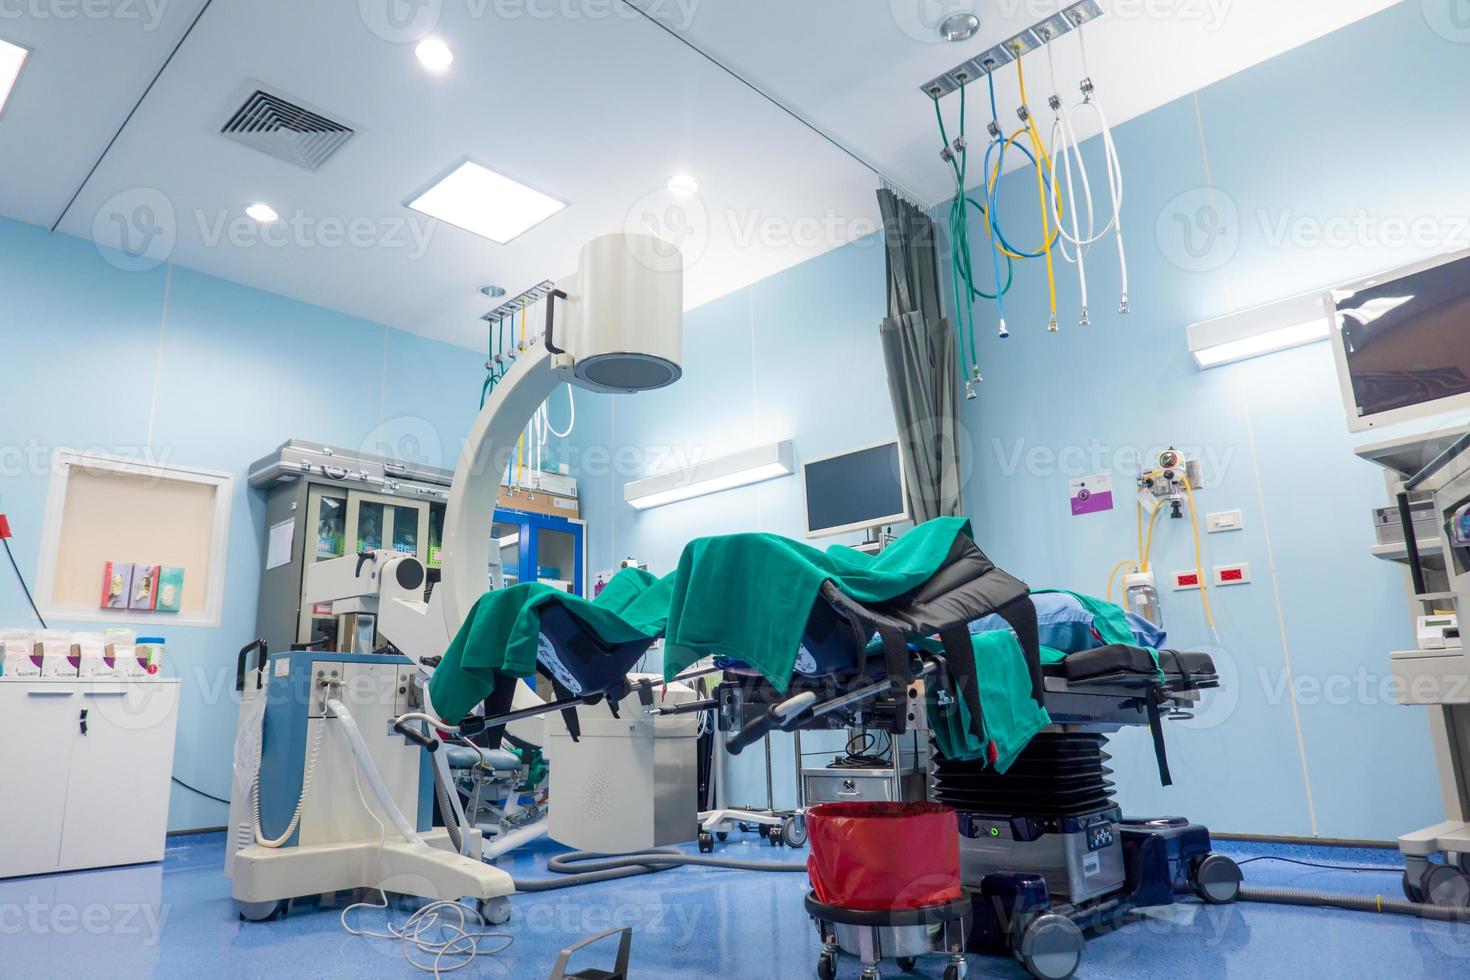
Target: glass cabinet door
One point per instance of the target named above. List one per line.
(508, 542)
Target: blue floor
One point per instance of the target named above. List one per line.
(176, 920)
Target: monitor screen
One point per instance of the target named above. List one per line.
(855, 490)
(1406, 341)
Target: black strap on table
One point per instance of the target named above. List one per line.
(959, 651)
(569, 715)
(900, 671)
(498, 703)
(1156, 728)
(1020, 613)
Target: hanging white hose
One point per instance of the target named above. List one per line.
(364, 758)
(1065, 146)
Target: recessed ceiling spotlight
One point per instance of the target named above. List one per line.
(683, 185)
(494, 292)
(959, 27)
(12, 59)
(263, 213)
(434, 54)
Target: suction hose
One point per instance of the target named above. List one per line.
(446, 808)
(364, 758)
(586, 867)
(1354, 903)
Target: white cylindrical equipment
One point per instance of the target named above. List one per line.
(625, 323)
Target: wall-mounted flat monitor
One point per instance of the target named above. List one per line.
(1402, 342)
(852, 491)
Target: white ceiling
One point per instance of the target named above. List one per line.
(582, 99)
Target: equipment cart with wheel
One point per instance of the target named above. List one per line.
(901, 934)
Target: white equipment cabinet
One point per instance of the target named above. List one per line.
(85, 779)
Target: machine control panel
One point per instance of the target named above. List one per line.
(1100, 836)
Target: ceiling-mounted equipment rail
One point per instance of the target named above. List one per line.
(1042, 32)
(530, 297)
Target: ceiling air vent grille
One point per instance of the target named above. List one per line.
(286, 130)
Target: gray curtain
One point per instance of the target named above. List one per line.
(919, 352)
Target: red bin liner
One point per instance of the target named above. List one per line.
(877, 857)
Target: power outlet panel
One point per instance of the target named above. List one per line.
(1232, 575)
(1185, 581)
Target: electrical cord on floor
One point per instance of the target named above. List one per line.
(1314, 864)
(22, 580)
(457, 936)
(195, 789)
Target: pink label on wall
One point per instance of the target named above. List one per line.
(1091, 494)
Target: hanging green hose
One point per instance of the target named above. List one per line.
(961, 264)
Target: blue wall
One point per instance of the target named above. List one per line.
(797, 356)
(238, 372)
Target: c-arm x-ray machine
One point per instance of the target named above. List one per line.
(329, 796)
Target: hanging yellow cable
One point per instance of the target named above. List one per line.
(1148, 547)
(1041, 160)
(1113, 575)
(1198, 564)
(1138, 512)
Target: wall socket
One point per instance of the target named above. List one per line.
(1225, 520)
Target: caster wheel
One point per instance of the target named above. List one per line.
(1411, 890)
(1461, 861)
(907, 963)
(1216, 879)
(744, 828)
(775, 838)
(956, 971)
(260, 911)
(1446, 886)
(827, 967)
(706, 842)
(495, 911)
(1051, 947)
(722, 835)
(793, 831)
(763, 830)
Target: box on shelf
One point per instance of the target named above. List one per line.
(52, 648)
(117, 584)
(17, 654)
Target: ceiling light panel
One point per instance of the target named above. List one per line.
(489, 204)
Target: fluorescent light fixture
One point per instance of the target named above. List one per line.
(1260, 330)
(434, 54)
(486, 203)
(263, 213)
(683, 185)
(12, 59)
(712, 476)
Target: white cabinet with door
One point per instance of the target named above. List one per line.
(84, 782)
